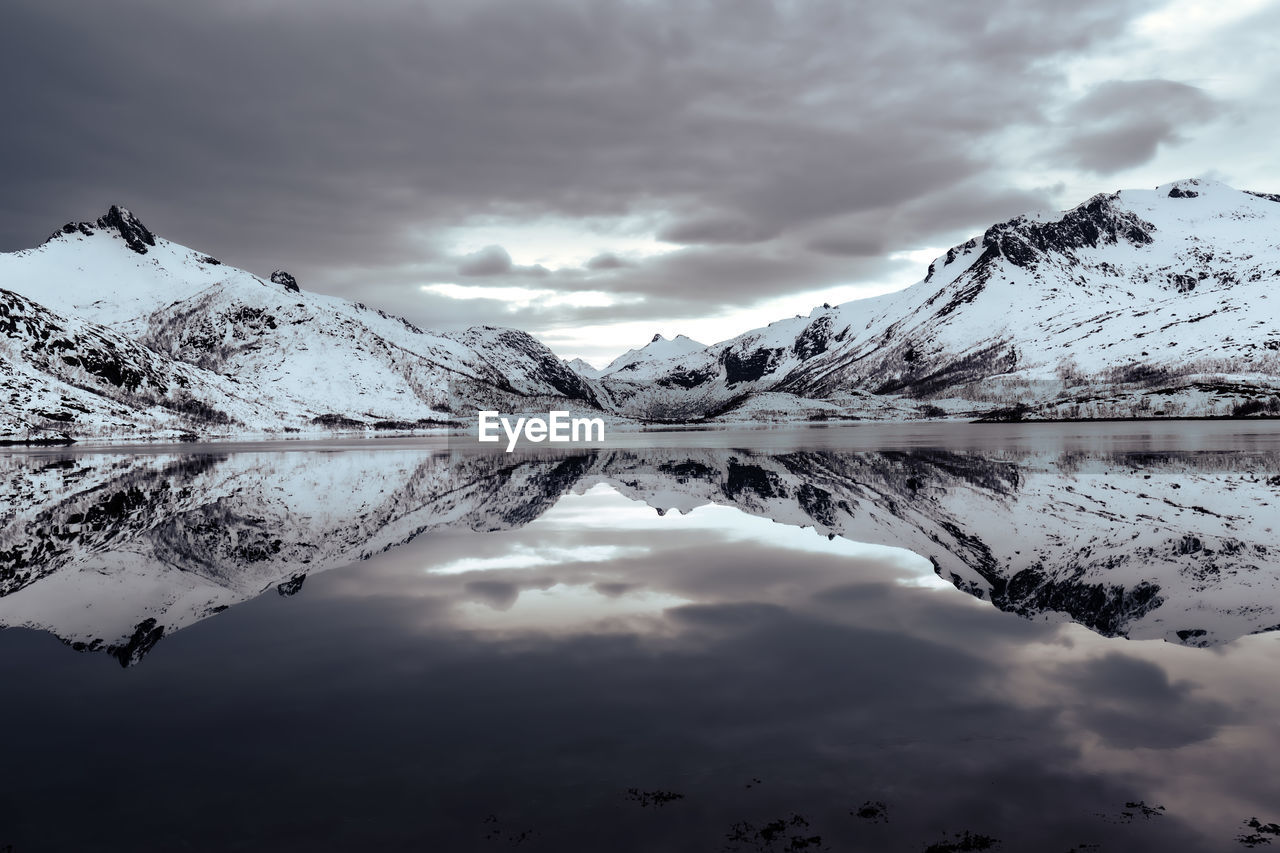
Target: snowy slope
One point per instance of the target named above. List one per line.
(1138, 285)
(650, 359)
(305, 359)
(582, 368)
(59, 372)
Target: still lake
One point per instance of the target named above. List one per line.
(881, 638)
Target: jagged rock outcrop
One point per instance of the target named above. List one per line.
(285, 280)
(119, 221)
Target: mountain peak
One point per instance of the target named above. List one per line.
(1098, 221)
(117, 220)
(656, 338)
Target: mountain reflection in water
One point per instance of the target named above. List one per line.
(520, 652)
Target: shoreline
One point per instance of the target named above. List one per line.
(466, 440)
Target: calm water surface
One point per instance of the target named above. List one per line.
(1013, 638)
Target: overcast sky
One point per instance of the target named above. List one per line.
(596, 172)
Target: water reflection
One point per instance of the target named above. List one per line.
(643, 649)
(112, 552)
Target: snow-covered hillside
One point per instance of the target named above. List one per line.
(243, 354)
(1170, 291)
(113, 552)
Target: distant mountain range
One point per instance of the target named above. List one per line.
(1141, 303)
(112, 552)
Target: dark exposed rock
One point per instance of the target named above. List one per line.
(285, 280)
(752, 478)
(1102, 607)
(145, 636)
(336, 421)
(118, 219)
(129, 227)
(1095, 222)
(689, 470)
(814, 339)
(1179, 192)
(685, 378)
(748, 368)
(292, 586)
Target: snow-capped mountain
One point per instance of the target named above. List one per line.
(650, 359)
(1170, 291)
(112, 552)
(177, 340)
(582, 368)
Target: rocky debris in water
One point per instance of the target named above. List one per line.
(292, 586)
(145, 636)
(1258, 836)
(964, 843)
(285, 280)
(780, 834)
(654, 799)
(872, 810)
(1133, 811)
(494, 831)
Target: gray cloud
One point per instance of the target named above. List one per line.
(491, 260)
(1122, 123)
(715, 229)
(606, 261)
(341, 143)
(1134, 704)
